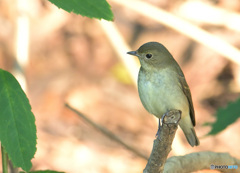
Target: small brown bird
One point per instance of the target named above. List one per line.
(162, 86)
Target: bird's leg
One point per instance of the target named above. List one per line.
(159, 125)
(159, 128)
(163, 116)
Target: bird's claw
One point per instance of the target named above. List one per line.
(159, 126)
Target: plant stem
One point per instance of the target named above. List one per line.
(4, 160)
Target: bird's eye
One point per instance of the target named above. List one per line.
(148, 55)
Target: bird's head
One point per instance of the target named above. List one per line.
(152, 54)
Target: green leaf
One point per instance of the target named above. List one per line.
(45, 171)
(225, 117)
(17, 122)
(99, 9)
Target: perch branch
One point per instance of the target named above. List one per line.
(162, 144)
(106, 132)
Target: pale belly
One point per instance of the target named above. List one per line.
(161, 94)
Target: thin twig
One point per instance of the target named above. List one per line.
(107, 132)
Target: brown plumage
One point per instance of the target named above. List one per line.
(162, 87)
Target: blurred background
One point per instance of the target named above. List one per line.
(65, 58)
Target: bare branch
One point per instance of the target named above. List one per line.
(107, 132)
(162, 144)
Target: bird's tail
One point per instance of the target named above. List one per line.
(192, 137)
(189, 132)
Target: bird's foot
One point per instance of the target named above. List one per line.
(160, 126)
(169, 118)
(163, 117)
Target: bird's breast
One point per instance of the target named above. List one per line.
(161, 91)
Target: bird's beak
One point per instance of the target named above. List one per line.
(132, 53)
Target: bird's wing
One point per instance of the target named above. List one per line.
(187, 92)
